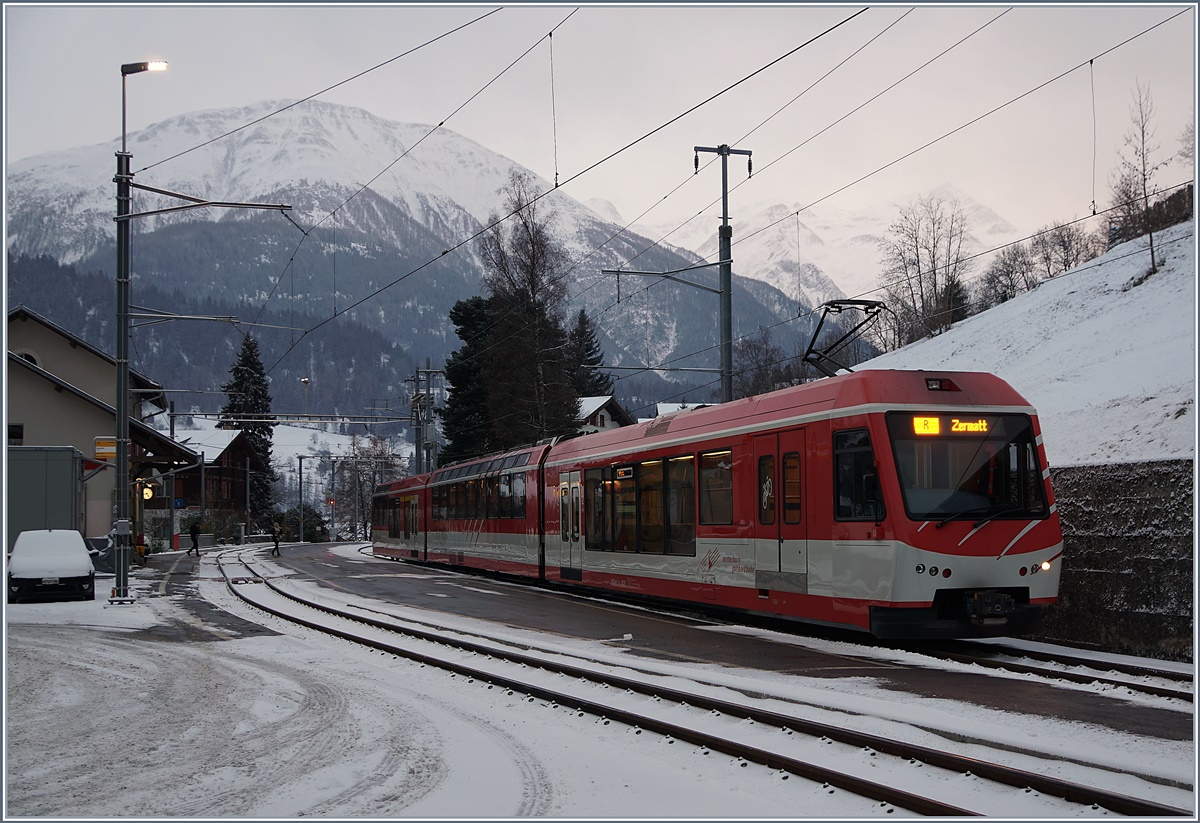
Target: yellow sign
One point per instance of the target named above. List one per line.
(106, 448)
(927, 425)
(976, 426)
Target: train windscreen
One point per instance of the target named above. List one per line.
(961, 466)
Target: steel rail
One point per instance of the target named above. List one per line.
(981, 658)
(1072, 792)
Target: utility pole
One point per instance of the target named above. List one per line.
(725, 250)
(422, 417)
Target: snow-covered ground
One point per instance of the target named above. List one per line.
(145, 710)
(1108, 362)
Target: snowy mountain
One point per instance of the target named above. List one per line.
(381, 228)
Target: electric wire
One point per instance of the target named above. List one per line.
(968, 124)
(577, 175)
(322, 91)
(841, 119)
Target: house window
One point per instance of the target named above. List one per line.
(16, 434)
(601, 418)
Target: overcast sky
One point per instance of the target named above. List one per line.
(620, 73)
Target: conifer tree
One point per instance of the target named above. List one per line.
(466, 417)
(248, 408)
(584, 357)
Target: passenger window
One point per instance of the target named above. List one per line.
(650, 507)
(564, 514)
(624, 510)
(791, 489)
(506, 495)
(856, 480)
(597, 510)
(681, 505)
(518, 496)
(716, 488)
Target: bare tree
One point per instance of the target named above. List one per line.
(1127, 219)
(1059, 248)
(760, 366)
(1138, 161)
(1013, 271)
(355, 477)
(924, 258)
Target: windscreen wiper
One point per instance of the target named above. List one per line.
(964, 513)
(995, 514)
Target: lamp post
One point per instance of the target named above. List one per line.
(124, 180)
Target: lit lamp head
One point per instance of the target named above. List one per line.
(149, 65)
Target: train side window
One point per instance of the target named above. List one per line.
(766, 490)
(394, 519)
(624, 498)
(413, 510)
(716, 488)
(491, 486)
(597, 510)
(856, 480)
(681, 505)
(564, 513)
(791, 489)
(650, 507)
(518, 495)
(575, 513)
(506, 495)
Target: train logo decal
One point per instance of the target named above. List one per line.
(710, 559)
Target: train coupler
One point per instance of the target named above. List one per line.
(990, 608)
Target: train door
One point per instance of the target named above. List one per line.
(780, 521)
(570, 524)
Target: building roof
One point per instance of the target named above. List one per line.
(137, 380)
(590, 405)
(154, 442)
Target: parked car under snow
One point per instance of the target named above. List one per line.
(50, 564)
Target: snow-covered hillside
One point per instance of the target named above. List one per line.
(1107, 359)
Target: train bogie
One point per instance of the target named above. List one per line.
(898, 503)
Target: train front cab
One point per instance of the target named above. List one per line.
(972, 517)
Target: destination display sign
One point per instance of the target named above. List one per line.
(928, 426)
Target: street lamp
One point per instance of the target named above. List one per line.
(124, 180)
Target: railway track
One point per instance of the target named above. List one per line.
(834, 757)
(1069, 665)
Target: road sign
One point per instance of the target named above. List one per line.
(106, 448)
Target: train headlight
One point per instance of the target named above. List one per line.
(1045, 565)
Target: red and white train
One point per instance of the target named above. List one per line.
(907, 504)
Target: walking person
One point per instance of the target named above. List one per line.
(275, 537)
(195, 533)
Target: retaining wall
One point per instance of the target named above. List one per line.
(1128, 581)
